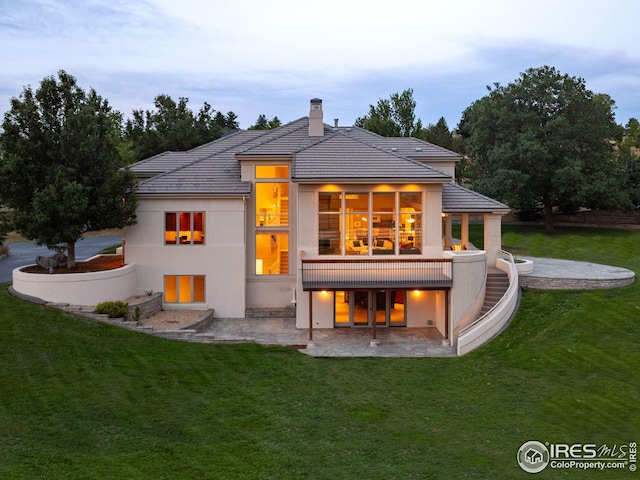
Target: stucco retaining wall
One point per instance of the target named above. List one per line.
(77, 288)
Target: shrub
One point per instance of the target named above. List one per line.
(136, 314)
(113, 309)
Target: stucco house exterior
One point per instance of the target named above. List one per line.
(337, 225)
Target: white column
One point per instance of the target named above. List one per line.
(432, 237)
(492, 236)
(464, 230)
(448, 231)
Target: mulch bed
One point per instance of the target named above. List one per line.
(97, 264)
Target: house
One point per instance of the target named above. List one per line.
(338, 225)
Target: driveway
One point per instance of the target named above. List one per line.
(25, 253)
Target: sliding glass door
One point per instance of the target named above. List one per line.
(360, 308)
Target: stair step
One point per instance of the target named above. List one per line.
(497, 285)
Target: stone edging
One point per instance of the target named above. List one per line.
(546, 283)
(189, 333)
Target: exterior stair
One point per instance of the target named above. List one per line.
(497, 285)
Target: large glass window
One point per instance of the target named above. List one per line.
(330, 224)
(272, 219)
(184, 228)
(272, 204)
(272, 197)
(272, 253)
(369, 223)
(357, 220)
(410, 222)
(184, 288)
(384, 223)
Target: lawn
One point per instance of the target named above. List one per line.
(80, 400)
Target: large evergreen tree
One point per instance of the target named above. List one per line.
(544, 140)
(262, 123)
(393, 117)
(170, 127)
(60, 169)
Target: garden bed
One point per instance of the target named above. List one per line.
(95, 264)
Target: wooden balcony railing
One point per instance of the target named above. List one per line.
(349, 274)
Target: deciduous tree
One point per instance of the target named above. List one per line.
(544, 140)
(60, 169)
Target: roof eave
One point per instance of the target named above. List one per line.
(175, 195)
(362, 180)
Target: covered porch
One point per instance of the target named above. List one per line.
(357, 280)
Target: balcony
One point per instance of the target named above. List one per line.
(348, 274)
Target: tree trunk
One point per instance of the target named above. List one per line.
(71, 255)
(548, 217)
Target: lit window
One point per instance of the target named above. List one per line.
(375, 223)
(272, 253)
(272, 219)
(329, 224)
(184, 288)
(185, 228)
(272, 171)
(272, 204)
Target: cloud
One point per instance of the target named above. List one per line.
(257, 57)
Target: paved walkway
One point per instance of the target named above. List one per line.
(403, 342)
(336, 342)
(556, 274)
(398, 341)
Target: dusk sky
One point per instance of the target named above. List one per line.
(271, 57)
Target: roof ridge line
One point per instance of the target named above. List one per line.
(395, 154)
(276, 137)
(198, 160)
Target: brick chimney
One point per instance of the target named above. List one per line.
(316, 125)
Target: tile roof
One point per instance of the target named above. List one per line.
(340, 157)
(457, 199)
(167, 161)
(342, 154)
(211, 169)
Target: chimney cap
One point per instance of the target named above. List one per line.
(316, 100)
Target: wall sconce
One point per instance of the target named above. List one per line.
(416, 293)
(324, 293)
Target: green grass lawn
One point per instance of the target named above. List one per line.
(80, 400)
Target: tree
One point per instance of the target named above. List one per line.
(544, 140)
(171, 127)
(629, 158)
(228, 121)
(60, 169)
(263, 124)
(394, 117)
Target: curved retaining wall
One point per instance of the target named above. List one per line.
(77, 288)
(476, 335)
(547, 283)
